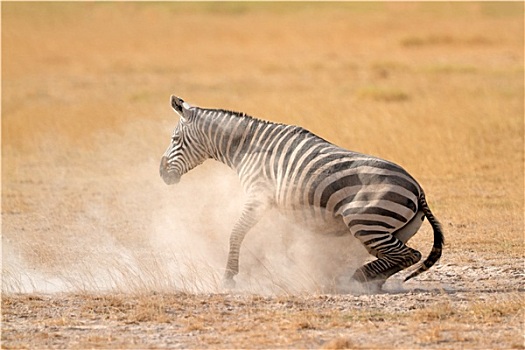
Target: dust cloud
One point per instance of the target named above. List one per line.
(108, 222)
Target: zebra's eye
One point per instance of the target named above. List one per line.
(175, 138)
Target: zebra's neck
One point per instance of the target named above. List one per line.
(229, 136)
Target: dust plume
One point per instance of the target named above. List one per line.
(103, 220)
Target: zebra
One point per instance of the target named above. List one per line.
(290, 168)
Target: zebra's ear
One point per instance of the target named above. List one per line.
(182, 108)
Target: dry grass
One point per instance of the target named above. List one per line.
(85, 118)
(220, 320)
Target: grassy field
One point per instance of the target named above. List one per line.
(98, 252)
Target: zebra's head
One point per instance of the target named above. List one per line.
(182, 154)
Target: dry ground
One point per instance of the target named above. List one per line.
(408, 320)
(98, 253)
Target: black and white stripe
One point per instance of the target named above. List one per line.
(290, 168)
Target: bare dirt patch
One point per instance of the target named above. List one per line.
(437, 319)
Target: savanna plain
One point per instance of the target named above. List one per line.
(97, 252)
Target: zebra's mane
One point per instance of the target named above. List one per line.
(240, 115)
(247, 117)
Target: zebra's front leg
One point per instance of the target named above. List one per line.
(251, 214)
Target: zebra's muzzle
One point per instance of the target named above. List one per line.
(169, 177)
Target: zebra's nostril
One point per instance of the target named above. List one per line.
(163, 167)
(168, 177)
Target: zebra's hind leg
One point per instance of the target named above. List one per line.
(392, 256)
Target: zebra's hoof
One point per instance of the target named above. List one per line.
(371, 285)
(374, 287)
(360, 276)
(228, 283)
(367, 287)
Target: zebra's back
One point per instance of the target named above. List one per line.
(328, 181)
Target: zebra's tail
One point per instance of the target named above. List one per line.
(439, 240)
